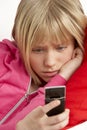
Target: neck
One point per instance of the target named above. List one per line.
(34, 87)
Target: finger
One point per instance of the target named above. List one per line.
(59, 125)
(51, 105)
(58, 118)
(42, 110)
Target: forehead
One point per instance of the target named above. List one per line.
(52, 44)
(55, 38)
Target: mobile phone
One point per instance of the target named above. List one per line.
(52, 93)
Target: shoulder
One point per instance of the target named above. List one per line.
(10, 60)
(7, 46)
(8, 54)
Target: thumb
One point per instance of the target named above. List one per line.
(51, 105)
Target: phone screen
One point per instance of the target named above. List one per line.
(52, 93)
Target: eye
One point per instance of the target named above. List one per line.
(61, 48)
(38, 50)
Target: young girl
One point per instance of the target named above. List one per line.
(48, 48)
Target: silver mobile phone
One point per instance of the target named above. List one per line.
(52, 93)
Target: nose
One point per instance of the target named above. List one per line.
(50, 59)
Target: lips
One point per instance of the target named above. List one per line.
(50, 74)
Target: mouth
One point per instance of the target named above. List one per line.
(50, 74)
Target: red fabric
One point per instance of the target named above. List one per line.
(76, 93)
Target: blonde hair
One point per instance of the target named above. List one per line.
(37, 20)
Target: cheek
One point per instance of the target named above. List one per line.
(34, 62)
(67, 56)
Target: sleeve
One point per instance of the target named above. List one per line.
(56, 81)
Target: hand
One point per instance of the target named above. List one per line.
(70, 67)
(38, 120)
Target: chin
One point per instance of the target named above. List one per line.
(46, 80)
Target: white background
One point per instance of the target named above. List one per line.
(7, 14)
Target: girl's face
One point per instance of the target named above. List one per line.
(47, 58)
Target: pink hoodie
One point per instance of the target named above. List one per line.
(15, 100)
